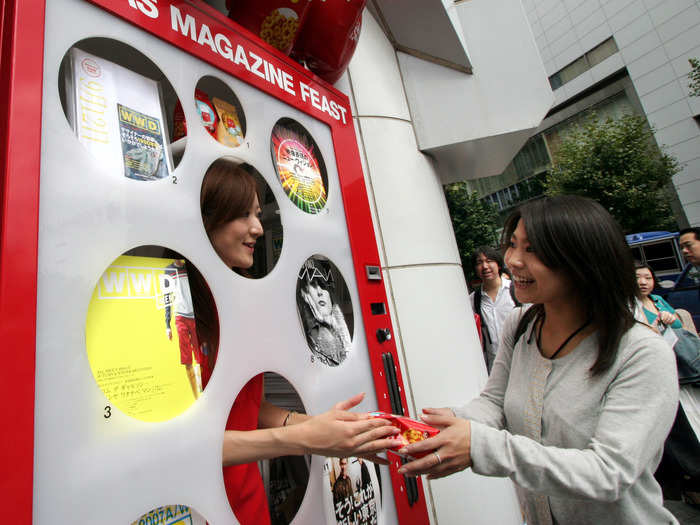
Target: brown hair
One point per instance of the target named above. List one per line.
(228, 191)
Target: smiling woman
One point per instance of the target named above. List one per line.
(257, 429)
(231, 213)
(580, 397)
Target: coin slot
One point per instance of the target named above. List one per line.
(378, 308)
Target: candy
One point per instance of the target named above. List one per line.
(412, 431)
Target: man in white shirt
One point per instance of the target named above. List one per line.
(493, 300)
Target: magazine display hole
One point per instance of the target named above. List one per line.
(171, 515)
(285, 478)
(325, 311)
(152, 334)
(299, 165)
(241, 217)
(120, 107)
(220, 112)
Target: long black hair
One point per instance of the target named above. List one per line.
(578, 237)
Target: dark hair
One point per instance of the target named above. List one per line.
(228, 191)
(695, 231)
(638, 266)
(578, 237)
(490, 253)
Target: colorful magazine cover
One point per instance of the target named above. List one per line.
(118, 117)
(141, 338)
(301, 174)
(353, 495)
(142, 145)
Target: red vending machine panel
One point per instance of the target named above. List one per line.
(185, 229)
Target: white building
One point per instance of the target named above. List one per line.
(618, 55)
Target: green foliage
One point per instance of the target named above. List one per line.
(617, 163)
(475, 222)
(694, 77)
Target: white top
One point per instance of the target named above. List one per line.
(493, 314)
(580, 449)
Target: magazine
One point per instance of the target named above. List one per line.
(142, 340)
(118, 116)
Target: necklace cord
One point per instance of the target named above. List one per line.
(567, 341)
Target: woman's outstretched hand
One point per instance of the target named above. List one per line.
(340, 433)
(450, 448)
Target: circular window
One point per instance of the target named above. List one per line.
(119, 104)
(220, 111)
(285, 478)
(152, 333)
(241, 217)
(325, 310)
(299, 165)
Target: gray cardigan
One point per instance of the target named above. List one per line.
(580, 449)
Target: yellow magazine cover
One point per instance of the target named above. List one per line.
(141, 337)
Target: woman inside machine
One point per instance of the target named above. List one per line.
(257, 429)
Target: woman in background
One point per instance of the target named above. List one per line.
(656, 310)
(679, 471)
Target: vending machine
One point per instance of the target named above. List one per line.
(184, 220)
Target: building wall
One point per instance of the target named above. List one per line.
(655, 38)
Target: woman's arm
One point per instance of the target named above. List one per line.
(272, 416)
(336, 433)
(454, 441)
(488, 407)
(635, 416)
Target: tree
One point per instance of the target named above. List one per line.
(694, 77)
(475, 222)
(617, 163)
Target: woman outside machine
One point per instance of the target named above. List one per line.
(581, 396)
(257, 429)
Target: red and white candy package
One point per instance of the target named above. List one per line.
(411, 431)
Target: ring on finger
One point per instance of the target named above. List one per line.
(437, 456)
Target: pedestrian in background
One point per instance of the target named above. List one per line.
(679, 471)
(689, 241)
(493, 300)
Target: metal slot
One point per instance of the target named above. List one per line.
(378, 308)
(397, 408)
